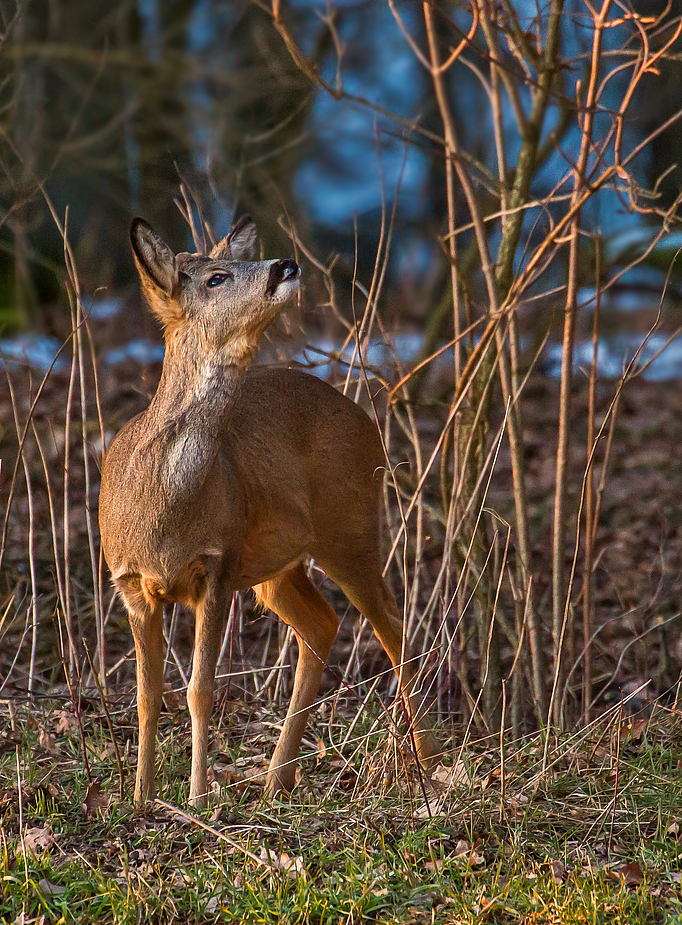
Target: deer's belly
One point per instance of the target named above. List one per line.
(270, 548)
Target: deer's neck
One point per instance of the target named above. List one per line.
(189, 415)
(197, 393)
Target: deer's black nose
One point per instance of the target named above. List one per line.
(280, 271)
(290, 269)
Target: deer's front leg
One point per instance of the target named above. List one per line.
(146, 623)
(209, 622)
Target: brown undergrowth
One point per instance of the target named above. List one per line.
(638, 541)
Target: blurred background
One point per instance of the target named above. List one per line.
(107, 111)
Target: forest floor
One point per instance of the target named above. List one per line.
(585, 828)
(595, 837)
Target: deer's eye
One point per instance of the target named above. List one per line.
(218, 279)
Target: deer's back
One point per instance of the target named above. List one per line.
(288, 411)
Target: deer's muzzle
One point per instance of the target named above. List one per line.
(281, 271)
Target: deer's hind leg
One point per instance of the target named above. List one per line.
(299, 604)
(361, 581)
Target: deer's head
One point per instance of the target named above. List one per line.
(222, 302)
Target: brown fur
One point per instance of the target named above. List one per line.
(229, 480)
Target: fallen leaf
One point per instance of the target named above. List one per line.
(64, 722)
(558, 871)
(429, 810)
(674, 829)
(632, 730)
(24, 919)
(48, 742)
(321, 750)
(631, 874)
(180, 878)
(456, 776)
(462, 847)
(492, 776)
(50, 889)
(37, 839)
(95, 799)
(293, 866)
(228, 778)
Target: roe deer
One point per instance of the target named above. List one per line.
(228, 480)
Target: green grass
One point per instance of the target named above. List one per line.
(595, 838)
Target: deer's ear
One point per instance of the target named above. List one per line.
(156, 265)
(240, 244)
